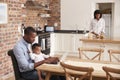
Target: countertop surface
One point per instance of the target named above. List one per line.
(116, 41)
(64, 31)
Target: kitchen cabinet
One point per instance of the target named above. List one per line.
(68, 42)
(65, 42)
(56, 42)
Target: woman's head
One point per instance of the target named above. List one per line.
(36, 48)
(97, 14)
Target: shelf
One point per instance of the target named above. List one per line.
(45, 15)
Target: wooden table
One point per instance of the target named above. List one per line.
(56, 69)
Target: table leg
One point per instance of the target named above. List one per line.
(48, 75)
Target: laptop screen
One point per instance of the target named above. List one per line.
(49, 29)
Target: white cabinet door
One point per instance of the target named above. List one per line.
(72, 42)
(65, 42)
(56, 42)
(77, 42)
(68, 42)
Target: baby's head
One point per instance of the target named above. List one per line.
(36, 48)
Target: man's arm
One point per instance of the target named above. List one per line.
(41, 62)
(23, 63)
(38, 63)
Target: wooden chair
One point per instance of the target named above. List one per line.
(92, 51)
(74, 72)
(109, 73)
(112, 54)
(15, 66)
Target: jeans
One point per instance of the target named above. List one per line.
(30, 75)
(33, 75)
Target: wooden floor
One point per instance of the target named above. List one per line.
(94, 78)
(10, 78)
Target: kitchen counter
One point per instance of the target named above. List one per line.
(114, 41)
(64, 31)
(71, 31)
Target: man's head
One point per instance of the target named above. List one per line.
(29, 34)
(36, 48)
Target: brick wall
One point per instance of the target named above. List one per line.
(31, 15)
(55, 13)
(9, 34)
(32, 18)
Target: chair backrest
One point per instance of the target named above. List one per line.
(112, 54)
(15, 66)
(109, 73)
(90, 53)
(76, 72)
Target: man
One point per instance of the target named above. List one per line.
(25, 63)
(21, 52)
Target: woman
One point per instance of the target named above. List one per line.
(97, 26)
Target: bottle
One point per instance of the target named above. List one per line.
(45, 27)
(56, 25)
(22, 29)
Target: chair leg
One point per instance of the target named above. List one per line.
(74, 78)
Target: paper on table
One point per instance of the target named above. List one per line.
(63, 57)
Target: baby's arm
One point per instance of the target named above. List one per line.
(32, 56)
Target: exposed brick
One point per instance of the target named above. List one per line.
(55, 13)
(9, 34)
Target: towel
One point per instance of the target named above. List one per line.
(43, 44)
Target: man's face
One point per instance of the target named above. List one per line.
(30, 38)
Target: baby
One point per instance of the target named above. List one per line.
(38, 56)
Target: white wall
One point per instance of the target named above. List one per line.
(77, 14)
(74, 13)
(116, 27)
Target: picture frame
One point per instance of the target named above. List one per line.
(3, 13)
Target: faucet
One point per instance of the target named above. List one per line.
(77, 28)
(84, 31)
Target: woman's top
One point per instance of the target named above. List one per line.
(97, 26)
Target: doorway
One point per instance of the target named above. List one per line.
(107, 11)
